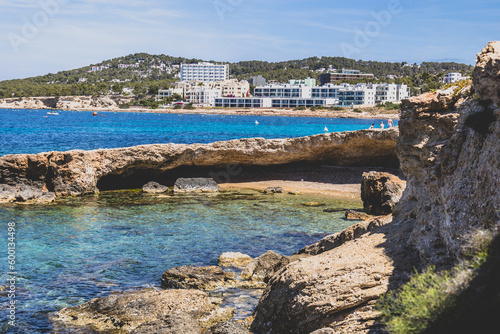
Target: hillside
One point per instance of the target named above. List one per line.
(143, 74)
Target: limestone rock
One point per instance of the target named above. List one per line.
(191, 277)
(229, 327)
(125, 312)
(335, 240)
(487, 73)
(273, 190)
(356, 215)
(79, 172)
(176, 323)
(262, 266)
(205, 185)
(452, 166)
(336, 288)
(154, 188)
(24, 194)
(380, 192)
(234, 259)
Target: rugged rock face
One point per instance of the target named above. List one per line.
(449, 151)
(64, 102)
(145, 310)
(78, 172)
(380, 192)
(451, 157)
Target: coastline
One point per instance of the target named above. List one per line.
(240, 112)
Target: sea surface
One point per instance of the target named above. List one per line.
(80, 248)
(33, 131)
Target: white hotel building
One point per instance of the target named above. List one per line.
(204, 72)
(292, 96)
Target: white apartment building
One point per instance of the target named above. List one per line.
(454, 77)
(285, 91)
(204, 72)
(202, 96)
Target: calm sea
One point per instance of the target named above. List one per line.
(85, 247)
(33, 131)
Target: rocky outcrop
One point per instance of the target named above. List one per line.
(65, 102)
(356, 215)
(79, 172)
(337, 288)
(451, 157)
(195, 185)
(191, 277)
(449, 151)
(262, 266)
(142, 311)
(380, 192)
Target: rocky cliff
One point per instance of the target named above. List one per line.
(64, 102)
(449, 148)
(79, 172)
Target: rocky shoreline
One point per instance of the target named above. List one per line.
(29, 177)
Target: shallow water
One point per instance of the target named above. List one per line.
(85, 247)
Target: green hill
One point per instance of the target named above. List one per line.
(143, 74)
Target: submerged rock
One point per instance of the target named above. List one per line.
(154, 188)
(273, 190)
(191, 277)
(380, 192)
(146, 310)
(232, 259)
(356, 215)
(186, 185)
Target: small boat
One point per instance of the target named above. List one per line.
(94, 113)
(326, 129)
(52, 113)
(256, 123)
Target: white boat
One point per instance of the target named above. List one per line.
(256, 123)
(326, 129)
(52, 113)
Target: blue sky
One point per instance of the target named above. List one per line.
(42, 36)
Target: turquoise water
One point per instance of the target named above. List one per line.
(33, 131)
(85, 247)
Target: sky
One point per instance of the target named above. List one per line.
(46, 36)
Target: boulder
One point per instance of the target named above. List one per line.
(24, 194)
(187, 185)
(273, 190)
(229, 327)
(232, 259)
(154, 188)
(146, 310)
(356, 215)
(191, 277)
(262, 266)
(380, 192)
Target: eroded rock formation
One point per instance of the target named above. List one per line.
(449, 148)
(78, 172)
